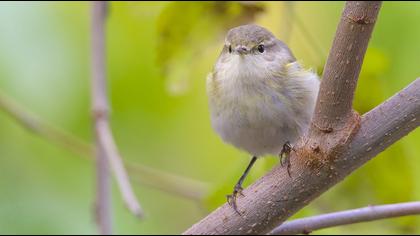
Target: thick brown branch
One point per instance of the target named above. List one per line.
(334, 121)
(275, 197)
(370, 213)
(334, 106)
(338, 142)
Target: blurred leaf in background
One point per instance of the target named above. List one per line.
(156, 50)
(183, 43)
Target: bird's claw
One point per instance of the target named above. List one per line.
(285, 156)
(231, 198)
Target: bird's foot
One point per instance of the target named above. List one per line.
(231, 198)
(285, 156)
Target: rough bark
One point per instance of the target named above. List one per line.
(334, 106)
(275, 197)
(339, 140)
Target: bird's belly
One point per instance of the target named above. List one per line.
(259, 130)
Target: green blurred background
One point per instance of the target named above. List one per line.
(158, 55)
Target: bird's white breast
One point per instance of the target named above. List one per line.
(256, 110)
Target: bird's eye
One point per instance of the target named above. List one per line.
(230, 49)
(261, 48)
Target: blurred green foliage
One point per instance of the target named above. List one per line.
(196, 28)
(158, 55)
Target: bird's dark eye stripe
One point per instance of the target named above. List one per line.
(261, 48)
(230, 49)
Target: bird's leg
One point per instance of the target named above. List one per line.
(231, 199)
(285, 156)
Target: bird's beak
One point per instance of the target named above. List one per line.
(241, 50)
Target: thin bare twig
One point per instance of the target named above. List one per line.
(105, 145)
(365, 214)
(170, 183)
(39, 127)
(99, 109)
(167, 182)
(107, 142)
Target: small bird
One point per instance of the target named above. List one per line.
(261, 100)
